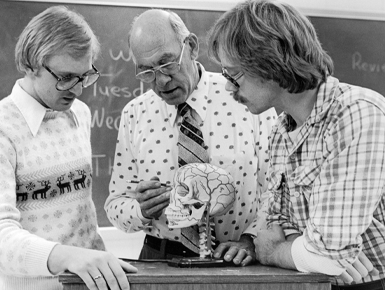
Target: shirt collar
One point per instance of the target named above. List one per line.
(32, 111)
(197, 100)
(325, 97)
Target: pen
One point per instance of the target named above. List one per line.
(137, 181)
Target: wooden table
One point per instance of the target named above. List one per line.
(160, 276)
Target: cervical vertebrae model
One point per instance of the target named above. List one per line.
(201, 191)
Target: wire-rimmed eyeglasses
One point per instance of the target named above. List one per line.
(232, 79)
(169, 68)
(67, 83)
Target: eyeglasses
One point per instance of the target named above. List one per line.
(67, 83)
(231, 79)
(169, 68)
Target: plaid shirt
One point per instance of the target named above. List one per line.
(328, 183)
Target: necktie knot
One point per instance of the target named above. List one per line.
(183, 109)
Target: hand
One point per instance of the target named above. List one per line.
(88, 264)
(241, 252)
(359, 269)
(152, 197)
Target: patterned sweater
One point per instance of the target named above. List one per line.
(45, 188)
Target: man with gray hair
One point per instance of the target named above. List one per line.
(186, 103)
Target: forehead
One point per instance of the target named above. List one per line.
(152, 37)
(226, 61)
(149, 50)
(63, 62)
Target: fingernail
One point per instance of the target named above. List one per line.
(375, 272)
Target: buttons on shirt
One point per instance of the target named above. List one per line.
(297, 194)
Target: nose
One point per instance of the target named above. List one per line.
(77, 90)
(161, 79)
(231, 87)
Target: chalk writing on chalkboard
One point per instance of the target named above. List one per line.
(358, 63)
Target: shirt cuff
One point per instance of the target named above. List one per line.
(306, 261)
(145, 221)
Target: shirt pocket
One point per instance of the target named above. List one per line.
(303, 178)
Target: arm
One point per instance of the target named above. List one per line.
(273, 249)
(22, 252)
(350, 184)
(131, 207)
(339, 207)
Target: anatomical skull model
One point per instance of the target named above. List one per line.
(201, 191)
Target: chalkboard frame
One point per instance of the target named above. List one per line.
(356, 10)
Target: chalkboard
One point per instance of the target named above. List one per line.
(356, 46)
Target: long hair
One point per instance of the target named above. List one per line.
(56, 29)
(274, 41)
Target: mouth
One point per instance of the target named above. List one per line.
(239, 99)
(68, 99)
(168, 92)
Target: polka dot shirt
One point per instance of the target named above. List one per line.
(147, 146)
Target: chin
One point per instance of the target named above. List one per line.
(254, 110)
(64, 107)
(173, 100)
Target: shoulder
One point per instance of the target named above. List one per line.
(6, 104)
(80, 108)
(350, 95)
(216, 78)
(149, 98)
(9, 113)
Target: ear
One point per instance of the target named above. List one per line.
(32, 73)
(193, 44)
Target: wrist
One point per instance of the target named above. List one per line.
(249, 238)
(282, 257)
(56, 260)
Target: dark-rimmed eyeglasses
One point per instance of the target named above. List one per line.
(169, 68)
(232, 79)
(67, 83)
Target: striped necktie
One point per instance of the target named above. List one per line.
(191, 149)
(191, 146)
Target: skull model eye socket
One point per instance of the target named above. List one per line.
(197, 205)
(199, 187)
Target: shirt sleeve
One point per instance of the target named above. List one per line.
(306, 261)
(265, 122)
(122, 210)
(346, 187)
(21, 252)
(350, 185)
